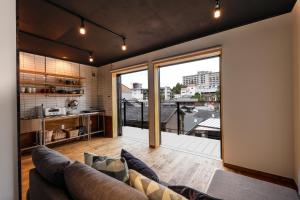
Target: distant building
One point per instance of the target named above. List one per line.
(203, 79)
(137, 91)
(177, 96)
(126, 92)
(166, 92)
(189, 91)
(136, 86)
(191, 79)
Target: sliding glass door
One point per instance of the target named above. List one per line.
(190, 106)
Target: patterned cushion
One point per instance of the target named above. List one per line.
(116, 168)
(139, 166)
(90, 158)
(152, 189)
(191, 193)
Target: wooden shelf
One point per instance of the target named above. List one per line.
(63, 95)
(24, 71)
(65, 139)
(63, 85)
(49, 74)
(32, 94)
(38, 83)
(53, 94)
(41, 83)
(64, 76)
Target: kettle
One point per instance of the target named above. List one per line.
(73, 104)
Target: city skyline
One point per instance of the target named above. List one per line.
(171, 75)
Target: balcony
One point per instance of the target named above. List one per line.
(188, 126)
(201, 146)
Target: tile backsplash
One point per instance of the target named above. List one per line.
(30, 103)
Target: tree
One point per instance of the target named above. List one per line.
(198, 96)
(177, 88)
(218, 94)
(162, 97)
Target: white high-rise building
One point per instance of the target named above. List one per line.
(203, 79)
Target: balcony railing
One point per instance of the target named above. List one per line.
(189, 117)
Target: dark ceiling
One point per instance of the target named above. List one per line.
(148, 24)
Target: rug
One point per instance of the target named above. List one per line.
(231, 186)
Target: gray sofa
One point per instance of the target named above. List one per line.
(55, 177)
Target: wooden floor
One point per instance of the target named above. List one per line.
(174, 167)
(206, 147)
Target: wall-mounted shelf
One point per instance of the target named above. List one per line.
(24, 71)
(43, 83)
(53, 94)
(48, 84)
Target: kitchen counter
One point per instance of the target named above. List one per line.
(92, 122)
(58, 117)
(70, 116)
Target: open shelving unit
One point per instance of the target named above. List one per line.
(46, 85)
(99, 122)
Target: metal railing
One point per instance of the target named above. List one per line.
(133, 113)
(177, 117)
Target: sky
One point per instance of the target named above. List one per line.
(170, 75)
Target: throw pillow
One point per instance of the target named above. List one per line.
(139, 166)
(90, 158)
(152, 189)
(191, 193)
(113, 167)
(50, 165)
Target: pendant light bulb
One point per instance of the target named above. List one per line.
(91, 59)
(82, 30)
(124, 47)
(217, 12)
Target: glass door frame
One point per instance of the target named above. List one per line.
(189, 57)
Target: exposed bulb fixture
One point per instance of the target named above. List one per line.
(217, 12)
(82, 30)
(91, 59)
(124, 47)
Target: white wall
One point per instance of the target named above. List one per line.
(296, 78)
(8, 102)
(257, 92)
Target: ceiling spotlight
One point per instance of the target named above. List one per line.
(91, 59)
(124, 47)
(82, 30)
(217, 12)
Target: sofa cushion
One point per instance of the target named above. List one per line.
(113, 167)
(90, 158)
(191, 193)
(84, 182)
(138, 165)
(50, 165)
(152, 189)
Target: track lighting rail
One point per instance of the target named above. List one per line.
(55, 41)
(85, 19)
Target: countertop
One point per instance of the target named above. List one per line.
(58, 117)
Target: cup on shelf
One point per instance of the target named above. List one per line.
(29, 90)
(23, 89)
(33, 90)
